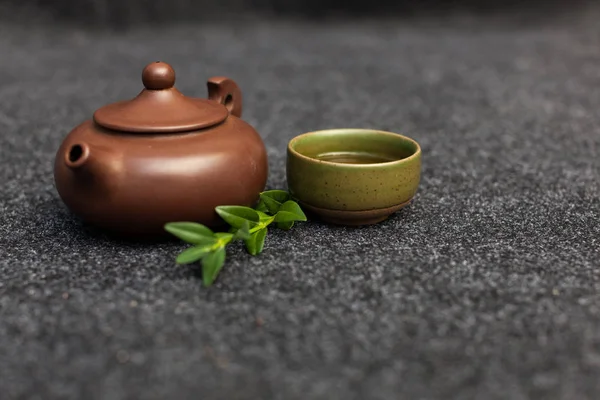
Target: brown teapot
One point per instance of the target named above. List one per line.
(161, 157)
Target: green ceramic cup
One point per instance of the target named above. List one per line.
(353, 176)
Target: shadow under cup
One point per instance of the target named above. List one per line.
(353, 176)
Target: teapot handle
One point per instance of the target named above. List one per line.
(225, 91)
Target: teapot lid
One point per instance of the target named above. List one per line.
(160, 107)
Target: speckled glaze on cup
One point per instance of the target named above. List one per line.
(347, 193)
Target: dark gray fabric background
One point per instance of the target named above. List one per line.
(120, 15)
(485, 288)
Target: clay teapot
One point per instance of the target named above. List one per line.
(161, 157)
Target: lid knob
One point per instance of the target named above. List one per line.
(158, 75)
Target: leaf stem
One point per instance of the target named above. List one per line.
(262, 224)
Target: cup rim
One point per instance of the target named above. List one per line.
(416, 154)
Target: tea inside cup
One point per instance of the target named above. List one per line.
(353, 176)
(353, 157)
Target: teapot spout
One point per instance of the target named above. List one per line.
(82, 169)
(77, 156)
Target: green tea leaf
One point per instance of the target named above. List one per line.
(243, 232)
(192, 254)
(212, 264)
(224, 236)
(286, 226)
(284, 216)
(293, 207)
(290, 211)
(191, 232)
(262, 217)
(272, 205)
(273, 199)
(262, 207)
(255, 244)
(236, 215)
(280, 196)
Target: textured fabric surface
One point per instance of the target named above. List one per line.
(485, 288)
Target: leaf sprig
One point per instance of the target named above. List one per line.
(247, 224)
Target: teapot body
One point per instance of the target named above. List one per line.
(133, 184)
